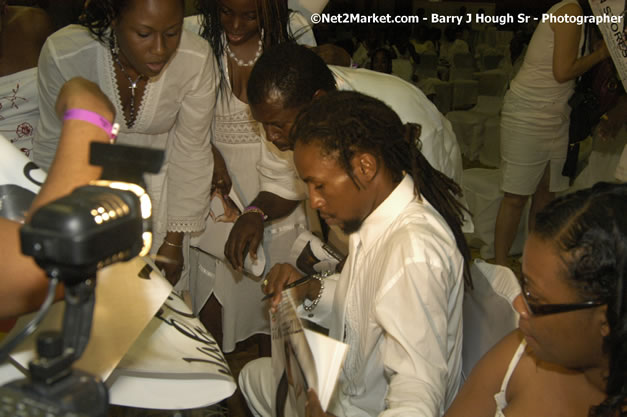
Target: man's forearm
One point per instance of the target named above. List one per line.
(273, 206)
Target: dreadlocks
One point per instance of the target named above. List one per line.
(344, 123)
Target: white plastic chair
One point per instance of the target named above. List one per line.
(488, 311)
(481, 188)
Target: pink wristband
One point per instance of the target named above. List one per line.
(95, 119)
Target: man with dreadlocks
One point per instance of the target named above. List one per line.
(283, 81)
(398, 300)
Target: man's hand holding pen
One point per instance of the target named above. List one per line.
(280, 277)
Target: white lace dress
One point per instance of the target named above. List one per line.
(238, 138)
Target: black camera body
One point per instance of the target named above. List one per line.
(71, 239)
(103, 228)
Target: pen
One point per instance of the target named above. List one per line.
(291, 285)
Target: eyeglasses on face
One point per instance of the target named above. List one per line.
(537, 309)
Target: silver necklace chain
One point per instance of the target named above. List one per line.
(132, 86)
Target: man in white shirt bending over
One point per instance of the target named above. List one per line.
(398, 300)
(283, 81)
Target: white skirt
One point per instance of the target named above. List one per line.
(533, 134)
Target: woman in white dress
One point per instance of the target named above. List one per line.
(162, 81)
(535, 119)
(229, 301)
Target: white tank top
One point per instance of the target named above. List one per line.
(499, 397)
(535, 80)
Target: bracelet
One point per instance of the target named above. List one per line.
(172, 244)
(253, 209)
(320, 277)
(95, 119)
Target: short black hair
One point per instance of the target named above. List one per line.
(294, 71)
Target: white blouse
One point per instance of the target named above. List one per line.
(175, 115)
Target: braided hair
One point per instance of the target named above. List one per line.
(589, 228)
(344, 123)
(273, 18)
(98, 16)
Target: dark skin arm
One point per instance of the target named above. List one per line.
(615, 118)
(23, 285)
(283, 274)
(170, 256)
(248, 229)
(221, 181)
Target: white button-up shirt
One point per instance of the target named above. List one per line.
(439, 145)
(398, 304)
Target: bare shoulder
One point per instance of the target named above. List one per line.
(497, 360)
(572, 9)
(476, 396)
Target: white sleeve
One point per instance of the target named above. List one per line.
(50, 79)
(190, 159)
(193, 23)
(301, 30)
(414, 311)
(277, 174)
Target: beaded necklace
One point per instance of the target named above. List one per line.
(241, 62)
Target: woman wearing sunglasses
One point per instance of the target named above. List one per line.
(569, 355)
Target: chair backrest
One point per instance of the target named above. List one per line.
(491, 61)
(403, 68)
(463, 60)
(492, 82)
(488, 311)
(428, 60)
(443, 96)
(464, 94)
(488, 105)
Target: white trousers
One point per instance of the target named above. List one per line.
(258, 384)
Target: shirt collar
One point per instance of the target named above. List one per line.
(379, 220)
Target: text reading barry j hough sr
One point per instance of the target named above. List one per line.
(523, 18)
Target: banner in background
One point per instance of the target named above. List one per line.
(615, 34)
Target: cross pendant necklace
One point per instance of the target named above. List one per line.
(133, 85)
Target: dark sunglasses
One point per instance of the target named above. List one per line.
(546, 309)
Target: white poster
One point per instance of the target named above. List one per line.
(614, 32)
